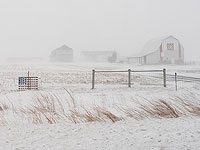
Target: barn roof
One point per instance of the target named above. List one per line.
(61, 49)
(64, 47)
(152, 46)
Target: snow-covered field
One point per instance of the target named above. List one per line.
(65, 113)
(152, 134)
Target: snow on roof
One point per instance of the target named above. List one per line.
(152, 46)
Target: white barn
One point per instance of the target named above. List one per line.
(166, 50)
(62, 54)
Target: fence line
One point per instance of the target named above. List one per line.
(109, 71)
(129, 74)
(146, 70)
(175, 77)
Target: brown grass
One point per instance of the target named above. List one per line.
(159, 109)
(49, 109)
(3, 107)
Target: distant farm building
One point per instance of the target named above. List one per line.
(62, 54)
(99, 56)
(167, 50)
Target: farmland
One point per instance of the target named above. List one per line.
(65, 98)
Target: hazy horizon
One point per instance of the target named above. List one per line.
(36, 27)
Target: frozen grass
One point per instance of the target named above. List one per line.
(49, 109)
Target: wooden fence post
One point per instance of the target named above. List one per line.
(176, 81)
(164, 77)
(93, 78)
(129, 77)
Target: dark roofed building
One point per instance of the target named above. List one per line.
(62, 54)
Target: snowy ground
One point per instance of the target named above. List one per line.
(154, 134)
(71, 84)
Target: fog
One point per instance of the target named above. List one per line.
(36, 27)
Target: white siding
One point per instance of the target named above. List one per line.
(133, 60)
(170, 56)
(158, 52)
(153, 58)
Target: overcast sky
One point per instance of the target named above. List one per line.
(35, 27)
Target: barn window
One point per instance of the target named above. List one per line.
(170, 46)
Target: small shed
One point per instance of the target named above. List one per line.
(165, 50)
(62, 54)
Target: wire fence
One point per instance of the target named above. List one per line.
(176, 78)
(171, 77)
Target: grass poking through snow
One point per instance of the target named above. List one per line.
(49, 109)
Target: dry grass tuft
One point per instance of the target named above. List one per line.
(104, 113)
(159, 109)
(49, 109)
(3, 107)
